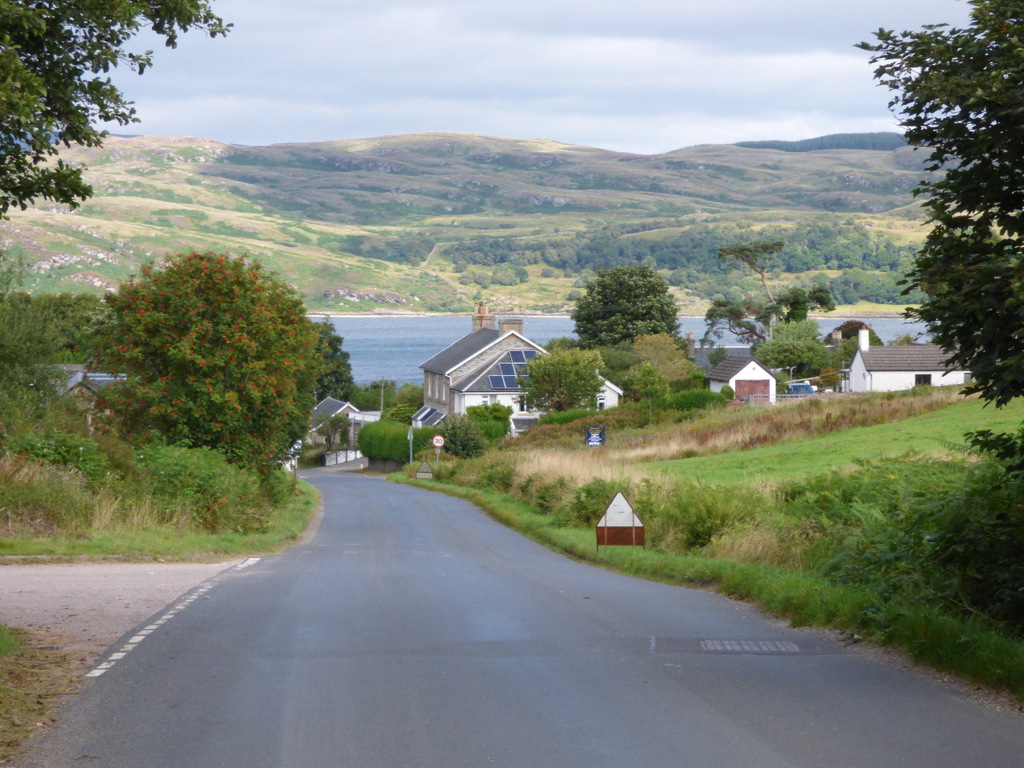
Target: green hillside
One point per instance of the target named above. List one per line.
(427, 222)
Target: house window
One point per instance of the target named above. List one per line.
(600, 402)
(922, 379)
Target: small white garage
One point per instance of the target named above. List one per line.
(748, 379)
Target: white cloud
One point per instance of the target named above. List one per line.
(642, 76)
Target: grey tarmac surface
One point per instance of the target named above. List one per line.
(415, 631)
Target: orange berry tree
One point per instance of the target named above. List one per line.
(216, 352)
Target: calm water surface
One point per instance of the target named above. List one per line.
(392, 347)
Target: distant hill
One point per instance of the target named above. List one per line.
(430, 221)
(881, 142)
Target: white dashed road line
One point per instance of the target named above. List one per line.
(145, 632)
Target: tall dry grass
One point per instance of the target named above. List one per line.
(719, 431)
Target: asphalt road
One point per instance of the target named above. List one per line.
(414, 631)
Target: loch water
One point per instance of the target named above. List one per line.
(394, 346)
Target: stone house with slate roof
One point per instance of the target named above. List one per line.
(891, 369)
(481, 369)
(747, 378)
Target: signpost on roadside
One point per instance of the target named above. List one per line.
(438, 443)
(620, 525)
(594, 436)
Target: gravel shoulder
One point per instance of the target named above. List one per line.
(83, 608)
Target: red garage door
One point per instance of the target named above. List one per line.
(746, 388)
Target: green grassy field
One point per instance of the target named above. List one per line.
(937, 433)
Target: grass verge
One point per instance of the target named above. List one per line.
(287, 523)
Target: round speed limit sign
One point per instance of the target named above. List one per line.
(438, 441)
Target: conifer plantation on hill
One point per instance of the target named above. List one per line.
(428, 222)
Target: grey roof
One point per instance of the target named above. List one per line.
(479, 380)
(732, 365)
(328, 407)
(79, 375)
(461, 350)
(702, 355)
(905, 358)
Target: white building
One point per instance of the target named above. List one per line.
(481, 368)
(896, 368)
(746, 377)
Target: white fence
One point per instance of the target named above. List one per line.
(341, 457)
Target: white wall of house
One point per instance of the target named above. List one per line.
(863, 380)
(609, 395)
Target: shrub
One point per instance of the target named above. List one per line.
(41, 499)
(695, 399)
(62, 448)
(463, 437)
(590, 501)
(498, 475)
(692, 518)
(216, 495)
(566, 417)
(390, 440)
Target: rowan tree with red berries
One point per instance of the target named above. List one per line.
(216, 352)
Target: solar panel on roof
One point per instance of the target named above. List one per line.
(510, 382)
(517, 355)
(507, 369)
(530, 354)
(497, 382)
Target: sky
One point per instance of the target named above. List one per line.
(641, 76)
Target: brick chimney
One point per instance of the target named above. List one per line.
(482, 317)
(507, 324)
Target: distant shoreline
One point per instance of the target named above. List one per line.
(526, 315)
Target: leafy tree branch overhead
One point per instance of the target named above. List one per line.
(54, 88)
(960, 94)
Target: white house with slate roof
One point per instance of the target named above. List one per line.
(891, 369)
(481, 368)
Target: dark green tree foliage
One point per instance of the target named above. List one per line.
(376, 396)
(562, 380)
(796, 302)
(623, 303)
(463, 437)
(960, 93)
(873, 141)
(757, 256)
(795, 346)
(27, 346)
(217, 354)
(336, 380)
(492, 419)
(54, 57)
(750, 319)
(334, 430)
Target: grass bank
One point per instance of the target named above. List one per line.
(148, 540)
